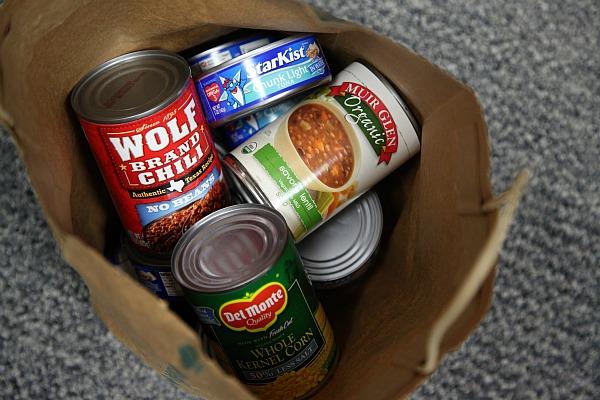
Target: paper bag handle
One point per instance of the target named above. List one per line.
(507, 202)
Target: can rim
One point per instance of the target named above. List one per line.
(193, 59)
(243, 182)
(78, 90)
(395, 94)
(261, 267)
(333, 270)
(252, 53)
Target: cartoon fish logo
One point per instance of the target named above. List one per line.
(233, 90)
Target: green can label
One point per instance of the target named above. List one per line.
(273, 330)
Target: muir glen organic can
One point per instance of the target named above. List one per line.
(240, 271)
(143, 120)
(327, 150)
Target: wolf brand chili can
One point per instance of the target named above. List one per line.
(341, 250)
(327, 150)
(261, 77)
(143, 120)
(240, 271)
(237, 132)
(216, 56)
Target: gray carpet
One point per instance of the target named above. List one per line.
(536, 68)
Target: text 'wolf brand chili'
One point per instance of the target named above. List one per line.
(261, 77)
(327, 150)
(242, 274)
(143, 120)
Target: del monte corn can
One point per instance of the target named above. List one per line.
(327, 150)
(240, 271)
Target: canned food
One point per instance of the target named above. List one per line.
(332, 259)
(142, 118)
(254, 80)
(237, 132)
(216, 56)
(154, 272)
(240, 271)
(327, 150)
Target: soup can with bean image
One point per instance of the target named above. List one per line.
(343, 249)
(327, 150)
(241, 272)
(261, 77)
(143, 121)
(211, 58)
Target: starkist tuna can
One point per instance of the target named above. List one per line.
(261, 77)
(142, 118)
(240, 271)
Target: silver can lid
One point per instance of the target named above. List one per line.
(229, 248)
(130, 87)
(344, 245)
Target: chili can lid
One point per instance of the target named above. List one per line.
(229, 248)
(346, 243)
(130, 87)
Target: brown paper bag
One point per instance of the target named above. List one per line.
(433, 281)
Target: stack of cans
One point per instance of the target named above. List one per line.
(298, 167)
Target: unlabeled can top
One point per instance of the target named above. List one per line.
(229, 248)
(130, 87)
(346, 243)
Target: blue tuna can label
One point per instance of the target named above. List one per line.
(259, 78)
(237, 132)
(160, 281)
(216, 56)
(153, 270)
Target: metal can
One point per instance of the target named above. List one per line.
(142, 118)
(327, 150)
(240, 271)
(261, 77)
(216, 56)
(333, 259)
(154, 272)
(237, 132)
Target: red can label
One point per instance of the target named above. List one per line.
(161, 171)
